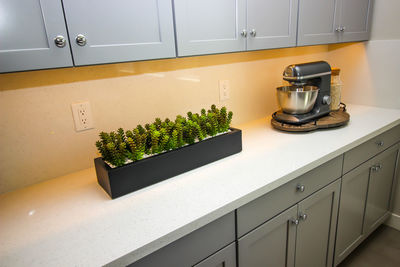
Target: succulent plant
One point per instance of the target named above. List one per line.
(159, 136)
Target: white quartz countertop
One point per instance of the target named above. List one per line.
(71, 221)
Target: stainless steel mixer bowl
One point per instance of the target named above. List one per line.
(297, 99)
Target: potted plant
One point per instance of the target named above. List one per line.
(140, 157)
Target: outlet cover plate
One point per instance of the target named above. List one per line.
(82, 114)
(224, 90)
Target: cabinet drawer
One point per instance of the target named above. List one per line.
(191, 248)
(226, 257)
(265, 207)
(370, 148)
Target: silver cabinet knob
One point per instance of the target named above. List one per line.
(80, 40)
(379, 143)
(376, 168)
(342, 29)
(337, 29)
(253, 33)
(379, 166)
(295, 221)
(326, 100)
(300, 188)
(243, 33)
(60, 41)
(303, 216)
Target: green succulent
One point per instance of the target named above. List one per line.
(160, 136)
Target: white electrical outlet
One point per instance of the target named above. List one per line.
(82, 116)
(224, 90)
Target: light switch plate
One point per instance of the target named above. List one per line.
(82, 116)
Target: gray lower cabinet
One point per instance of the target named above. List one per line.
(226, 257)
(365, 201)
(333, 21)
(317, 227)
(271, 244)
(115, 31)
(210, 246)
(28, 32)
(303, 235)
(379, 189)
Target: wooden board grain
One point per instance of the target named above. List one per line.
(333, 119)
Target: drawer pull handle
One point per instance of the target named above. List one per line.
(300, 188)
(295, 221)
(380, 143)
(303, 216)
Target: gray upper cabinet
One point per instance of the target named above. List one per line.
(209, 27)
(27, 35)
(333, 21)
(271, 23)
(105, 31)
(318, 21)
(355, 20)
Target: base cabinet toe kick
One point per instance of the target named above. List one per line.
(316, 219)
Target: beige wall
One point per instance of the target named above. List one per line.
(37, 136)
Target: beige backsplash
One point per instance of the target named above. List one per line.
(37, 136)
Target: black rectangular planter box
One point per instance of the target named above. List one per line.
(134, 176)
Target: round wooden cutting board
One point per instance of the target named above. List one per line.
(333, 119)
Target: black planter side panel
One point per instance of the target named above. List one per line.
(123, 180)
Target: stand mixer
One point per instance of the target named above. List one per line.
(313, 77)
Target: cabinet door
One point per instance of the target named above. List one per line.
(27, 32)
(226, 257)
(379, 188)
(317, 227)
(271, 244)
(121, 30)
(318, 21)
(209, 26)
(271, 23)
(351, 211)
(355, 20)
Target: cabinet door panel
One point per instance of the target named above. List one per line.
(355, 17)
(208, 26)
(351, 211)
(226, 257)
(317, 22)
(121, 30)
(274, 22)
(27, 31)
(271, 244)
(315, 233)
(379, 188)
